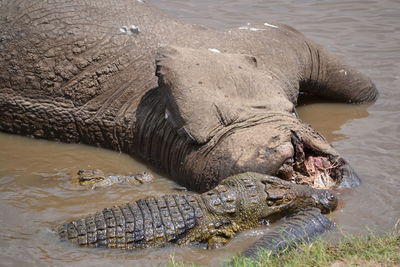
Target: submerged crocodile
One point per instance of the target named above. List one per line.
(97, 178)
(238, 203)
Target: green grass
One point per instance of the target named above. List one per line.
(367, 250)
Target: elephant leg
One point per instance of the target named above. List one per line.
(328, 77)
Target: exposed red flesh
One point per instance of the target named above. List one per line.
(310, 169)
(319, 172)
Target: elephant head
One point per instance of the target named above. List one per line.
(226, 115)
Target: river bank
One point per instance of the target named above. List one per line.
(365, 250)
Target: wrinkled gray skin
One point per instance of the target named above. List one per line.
(79, 72)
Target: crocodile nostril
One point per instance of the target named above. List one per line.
(249, 185)
(229, 200)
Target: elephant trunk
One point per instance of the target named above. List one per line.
(328, 77)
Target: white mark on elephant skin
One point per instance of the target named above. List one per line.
(140, 1)
(214, 50)
(129, 30)
(270, 25)
(185, 133)
(250, 29)
(343, 71)
(168, 116)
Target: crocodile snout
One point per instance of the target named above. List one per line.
(325, 200)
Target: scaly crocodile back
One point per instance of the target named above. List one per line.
(143, 223)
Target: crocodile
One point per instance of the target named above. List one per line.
(238, 203)
(97, 178)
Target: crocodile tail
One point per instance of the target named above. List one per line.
(302, 227)
(150, 222)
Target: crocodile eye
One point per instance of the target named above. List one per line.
(330, 196)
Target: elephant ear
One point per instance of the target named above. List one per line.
(207, 91)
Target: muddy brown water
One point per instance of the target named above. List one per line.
(36, 192)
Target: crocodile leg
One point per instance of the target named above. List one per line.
(301, 227)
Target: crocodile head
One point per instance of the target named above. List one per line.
(97, 178)
(89, 177)
(266, 197)
(287, 197)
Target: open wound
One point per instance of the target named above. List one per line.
(310, 167)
